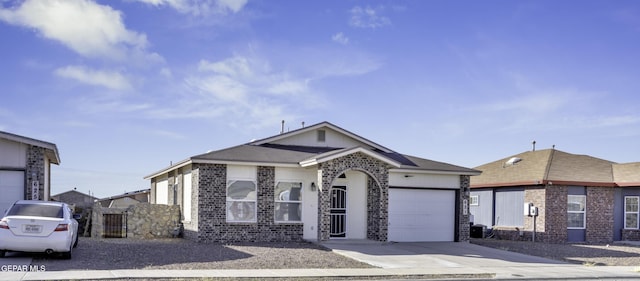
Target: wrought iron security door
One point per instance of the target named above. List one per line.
(338, 212)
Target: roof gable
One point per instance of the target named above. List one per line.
(51, 149)
(334, 136)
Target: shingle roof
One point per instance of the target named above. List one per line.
(627, 174)
(549, 165)
(262, 151)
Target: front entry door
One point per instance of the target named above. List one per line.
(338, 212)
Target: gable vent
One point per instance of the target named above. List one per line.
(321, 135)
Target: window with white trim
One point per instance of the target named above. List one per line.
(631, 212)
(241, 201)
(473, 200)
(576, 211)
(288, 201)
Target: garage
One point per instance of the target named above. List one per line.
(421, 215)
(11, 188)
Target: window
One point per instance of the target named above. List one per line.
(241, 201)
(288, 202)
(631, 212)
(473, 200)
(576, 206)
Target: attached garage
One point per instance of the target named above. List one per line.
(11, 188)
(421, 215)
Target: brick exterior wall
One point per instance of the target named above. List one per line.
(463, 220)
(537, 196)
(555, 219)
(377, 201)
(630, 235)
(211, 203)
(600, 208)
(35, 171)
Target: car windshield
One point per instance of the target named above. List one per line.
(36, 210)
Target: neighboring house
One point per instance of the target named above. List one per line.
(25, 168)
(316, 183)
(75, 198)
(579, 198)
(126, 199)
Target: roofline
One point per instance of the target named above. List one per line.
(73, 191)
(315, 126)
(34, 142)
(628, 184)
(224, 162)
(434, 171)
(327, 156)
(546, 182)
(167, 169)
(142, 191)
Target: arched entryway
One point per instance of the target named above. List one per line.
(353, 201)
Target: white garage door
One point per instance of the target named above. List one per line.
(421, 215)
(11, 188)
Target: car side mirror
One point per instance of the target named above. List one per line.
(77, 216)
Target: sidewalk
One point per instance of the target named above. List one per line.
(521, 273)
(429, 260)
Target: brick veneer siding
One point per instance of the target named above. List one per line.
(35, 167)
(537, 196)
(630, 235)
(555, 219)
(600, 206)
(377, 201)
(463, 220)
(211, 223)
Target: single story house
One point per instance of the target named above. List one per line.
(578, 198)
(126, 199)
(25, 168)
(315, 183)
(75, 198)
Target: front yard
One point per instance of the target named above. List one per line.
(110, 254)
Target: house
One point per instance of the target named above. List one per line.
(75, 198)
(578, 198)
(25, 168)
(126, 199)
(315, 183)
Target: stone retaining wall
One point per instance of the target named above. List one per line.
(143, 220)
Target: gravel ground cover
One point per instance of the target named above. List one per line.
(587, 254)
(109, 254)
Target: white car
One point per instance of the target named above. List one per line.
(38, 226)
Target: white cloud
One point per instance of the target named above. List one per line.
(109, 79)
(200, 8)
(368, 17)
(90, 29)
(340, 38)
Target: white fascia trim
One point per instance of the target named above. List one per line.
(243, 163)
(412, 171)
(166, 170)
(333, 155)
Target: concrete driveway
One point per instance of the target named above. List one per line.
(433, 255)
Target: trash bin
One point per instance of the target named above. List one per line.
(478, 231)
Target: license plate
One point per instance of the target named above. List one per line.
(31, 228)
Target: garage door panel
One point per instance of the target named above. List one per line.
(421, 215)
(11, 188)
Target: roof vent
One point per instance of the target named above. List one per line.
(512, 161)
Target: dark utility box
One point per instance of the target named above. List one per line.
(478, 230)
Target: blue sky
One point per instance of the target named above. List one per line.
(126, 87)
